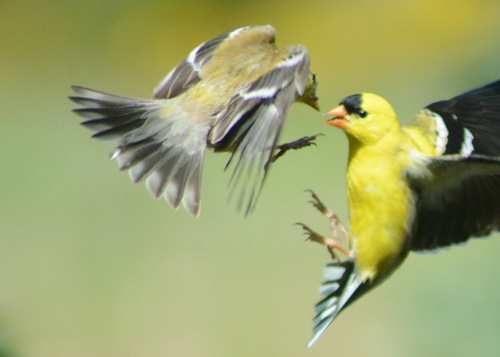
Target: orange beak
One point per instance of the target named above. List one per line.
(339, 113)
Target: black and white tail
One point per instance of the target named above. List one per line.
(342, 286)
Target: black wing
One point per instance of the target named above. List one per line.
(472, 120)
(461, 201)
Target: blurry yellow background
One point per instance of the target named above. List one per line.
(92, 266)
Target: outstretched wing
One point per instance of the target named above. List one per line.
(189, 72)
(253, 120)
(461, 199)
(466, 124)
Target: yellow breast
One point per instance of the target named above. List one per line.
(380, 206)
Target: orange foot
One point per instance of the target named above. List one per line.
(330, 243)
(334, 219)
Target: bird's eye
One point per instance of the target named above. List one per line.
(363, 114)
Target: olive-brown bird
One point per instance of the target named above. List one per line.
(231, 93)
(433, 183)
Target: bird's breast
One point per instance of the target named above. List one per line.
(380, 209)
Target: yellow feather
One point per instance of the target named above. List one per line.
(381, 203)
(380, 206)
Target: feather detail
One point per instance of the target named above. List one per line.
(253, 119)
(190, 71)
(164, 147)
(468, 124)
(459, 202)
(339, 290)
(455, 201)
(294, 68)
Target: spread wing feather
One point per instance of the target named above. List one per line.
(254, 118)
(461, 202)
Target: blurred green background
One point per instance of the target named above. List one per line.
(92, 266)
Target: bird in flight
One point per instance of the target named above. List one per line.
(230, 94)
(431, 184)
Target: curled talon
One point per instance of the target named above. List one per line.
(294, 145)
(334, 219)
(330, 243)
(320, 206)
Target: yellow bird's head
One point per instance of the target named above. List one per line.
(365, 117)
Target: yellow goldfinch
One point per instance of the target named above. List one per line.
(431, 184)
(231, 93)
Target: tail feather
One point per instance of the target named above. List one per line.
(341, 288)
(111, 116)
(91, 98)
(171, 176)
(118, 131)
(186, 167)
(165, 148)
(192, 189)
(133, 154)
(104, 109)
(97, 124)
(142, 169)
(163, 170)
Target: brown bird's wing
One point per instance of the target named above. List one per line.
(253, 120)
(189, 72)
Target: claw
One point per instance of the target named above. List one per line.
(330, 243)
(334, 219)
(294, 145)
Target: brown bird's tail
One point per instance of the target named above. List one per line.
(164, 147)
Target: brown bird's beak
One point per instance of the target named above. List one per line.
(313, 102)
(339, 117)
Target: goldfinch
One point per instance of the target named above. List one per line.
(231, 93)
(433, 183)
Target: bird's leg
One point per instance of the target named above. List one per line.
(334, 219)
(330, 243)
(294, 145)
